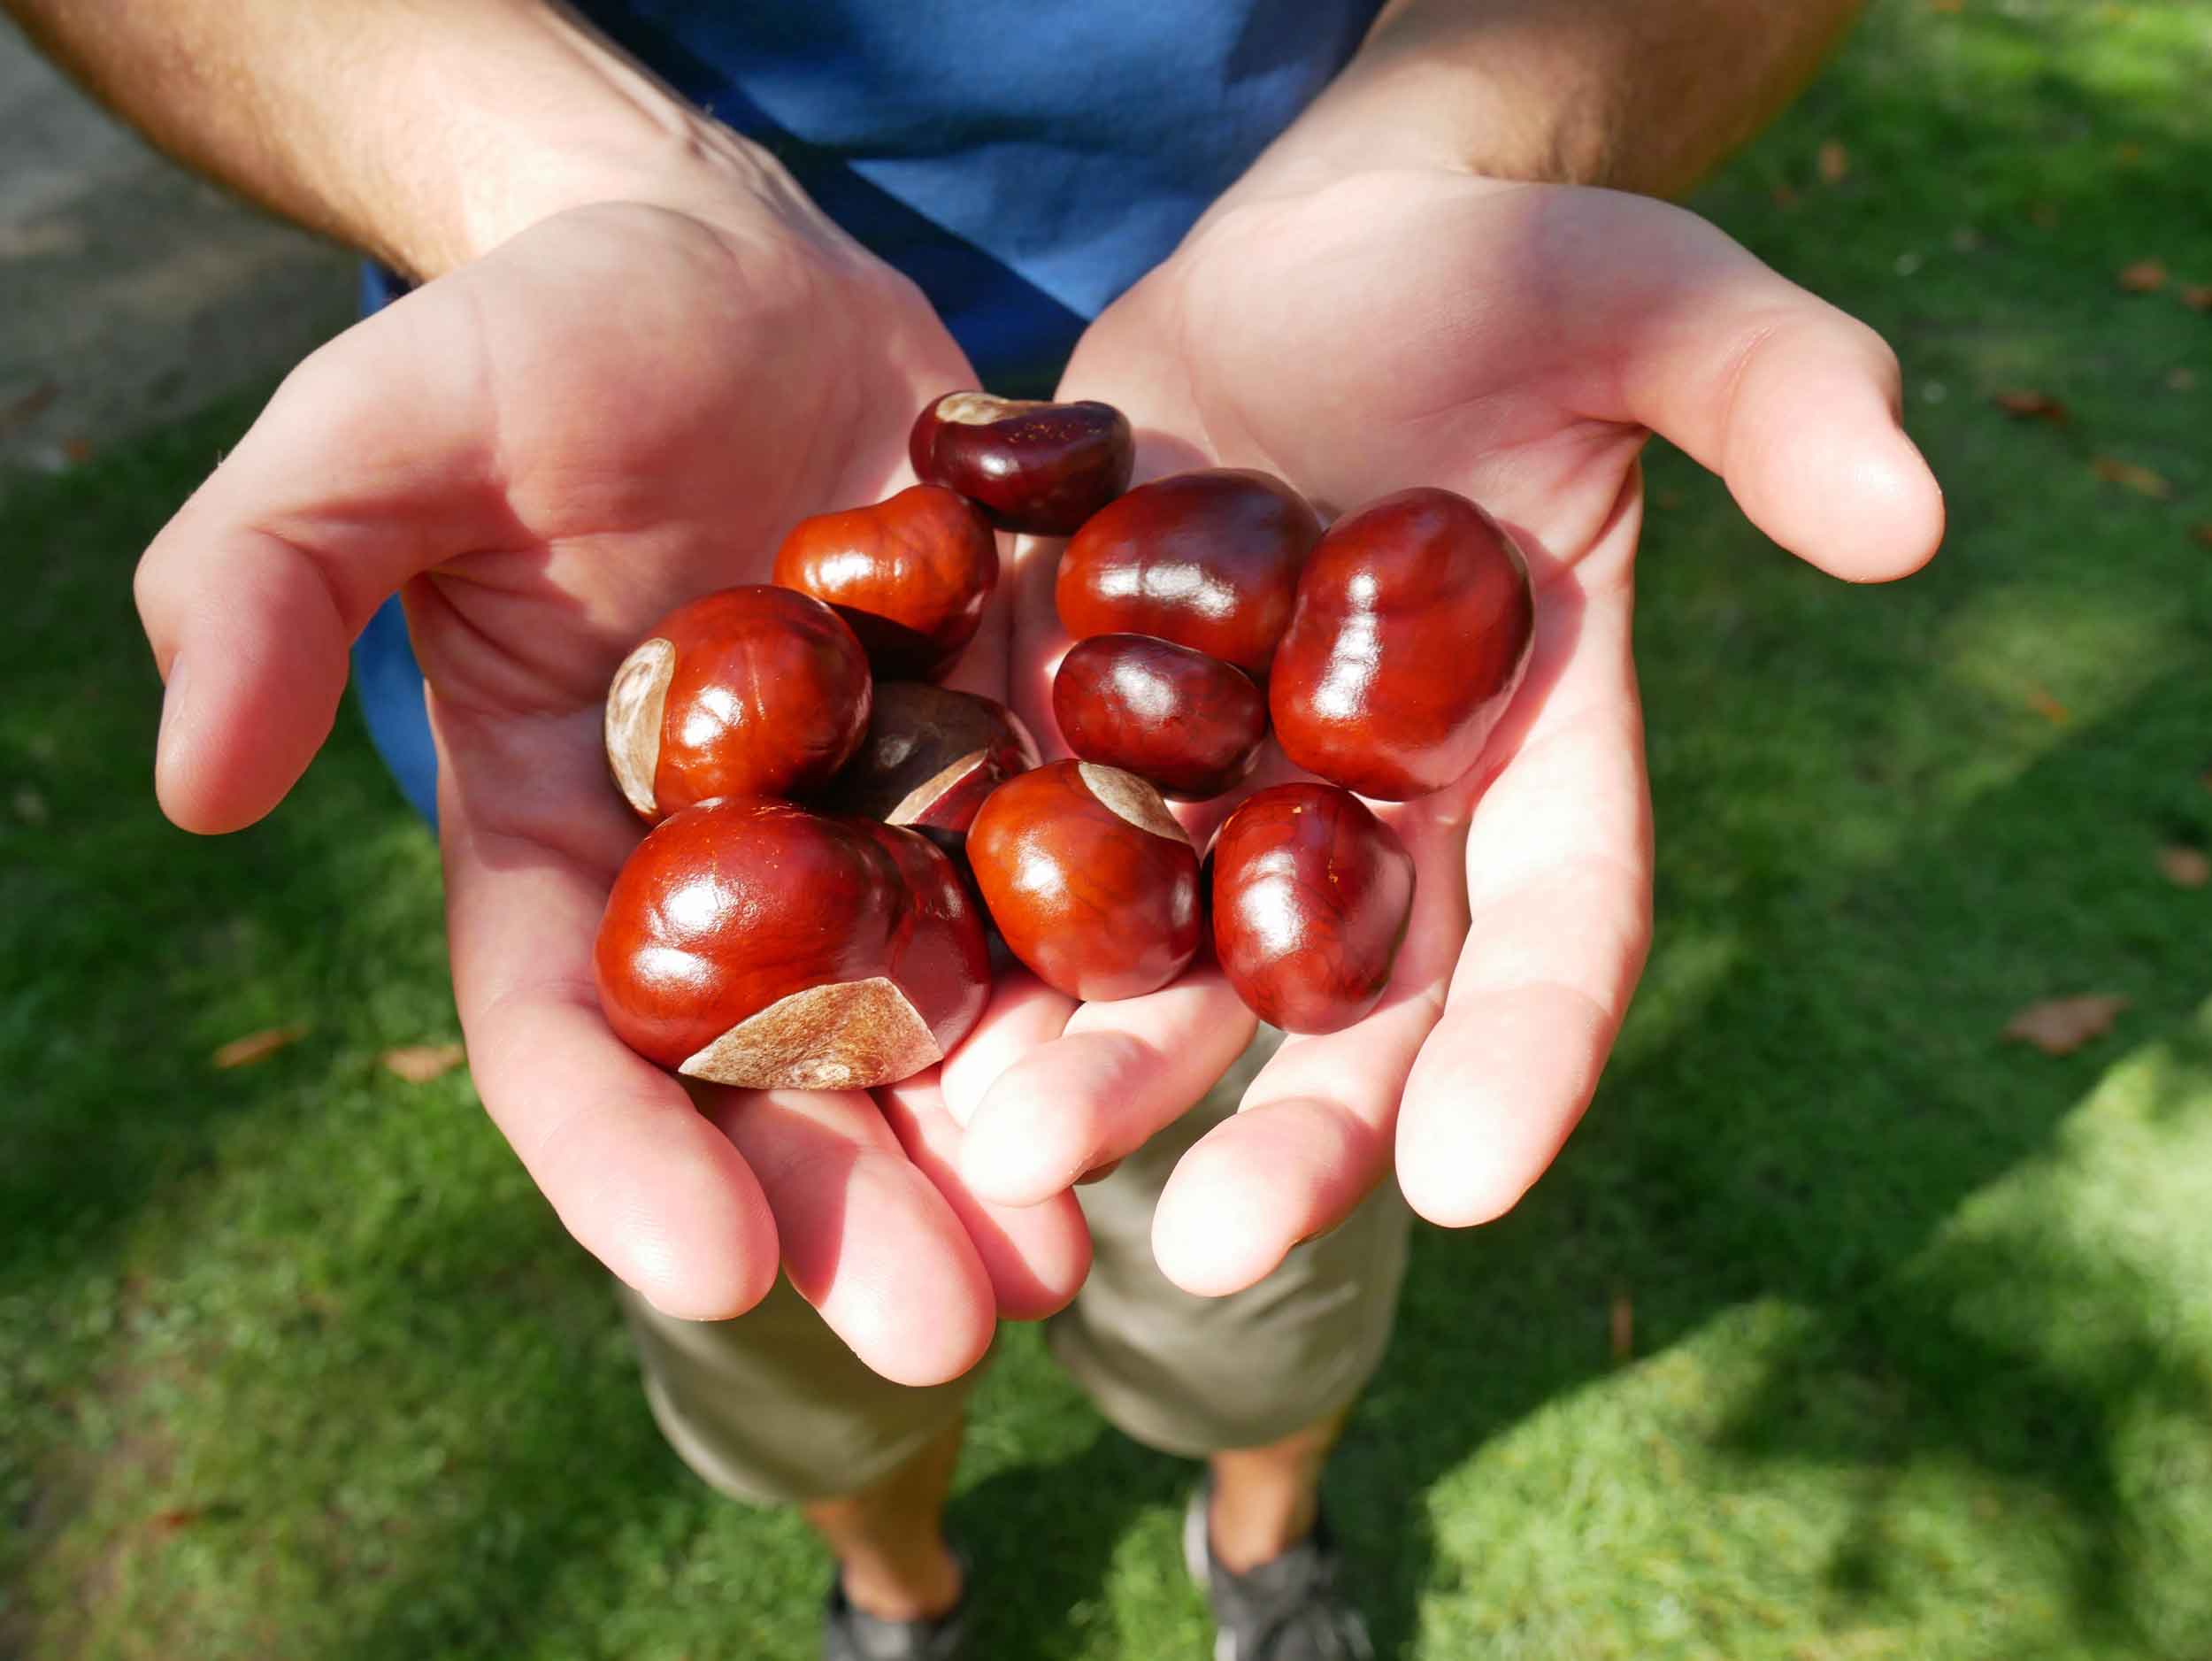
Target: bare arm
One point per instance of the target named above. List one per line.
(1637, 95)
(424, 132)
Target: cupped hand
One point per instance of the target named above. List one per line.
(544, 451)
(1517, 344)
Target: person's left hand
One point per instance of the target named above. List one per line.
(1516, 344)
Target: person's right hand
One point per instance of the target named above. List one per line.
(547, 450)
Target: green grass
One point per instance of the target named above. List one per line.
(293, 1362)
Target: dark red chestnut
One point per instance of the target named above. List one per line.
(930, 757)
(910, 574)
(751, 691)
(1413, 629)
(1189, 723)
(1043, 468)
(1208, 560)
(1311, 895)
(1089, 878)
(754, 943)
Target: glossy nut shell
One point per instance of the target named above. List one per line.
(910, 574)
(754, 943)
(751, 691)
(1310, 894)
(1090, 880)
(1412, 631)
(930, 757)
(1043, 468)
(1208, 560)
(1191, 724)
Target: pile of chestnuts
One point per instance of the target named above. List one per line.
(842, 848)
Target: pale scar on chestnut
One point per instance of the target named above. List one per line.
(922, 797)
(636, 700)
(849, 1036)
(1134, 800)
(980, 409)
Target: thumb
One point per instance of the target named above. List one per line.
(1794, 404)
(370, 465)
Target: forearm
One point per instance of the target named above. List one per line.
(423, 133)
(1637, 95)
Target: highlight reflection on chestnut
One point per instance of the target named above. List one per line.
(930, 757)
(910, 574)
(1043, 468)
(1311, 895)
(1090, 880)
(1208, 559)
(754, 943)
(1191, 724)
(754, 690)
(1412, 631)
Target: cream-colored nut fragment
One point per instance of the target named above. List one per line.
(979, 408)
(1132, 798)
(636, 699)
(850, 1036)
(922, 797)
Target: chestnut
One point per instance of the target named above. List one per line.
(1043, 468)
(929, 757)
(1089, 878)
(1208, 560)
(754, 943)
(1412, 631)
(1311, 895)
(1189, 723)
(910, 574)
(749, 691)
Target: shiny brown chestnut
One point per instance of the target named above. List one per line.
(910, 574)
(1089, 878)
(754, 943)
(1311, 895)
(930, 757)
(751, 691)
(1412, 633)
(1043, 468)
(1191, 724)
(1208, 559)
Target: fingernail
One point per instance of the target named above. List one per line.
(171, 700)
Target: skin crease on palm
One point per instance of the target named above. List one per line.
(492, 445)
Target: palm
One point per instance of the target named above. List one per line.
(1514, 344)
(549, 450)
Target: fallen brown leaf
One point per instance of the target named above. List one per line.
(183, 1517)
(2197, 296)
(2023, 404)
(2145, 276)
(1834, 162)
(1946, 5)
(256, 1046)
(2059, 1026)
(2048, 707)
(1785, 198)
(2043, 215)
(2140, 479)
(418, 1064)
(1622, 1328)
(2185, 867)
(19, 410)
(2181, 380)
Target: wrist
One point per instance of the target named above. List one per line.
(574, 121)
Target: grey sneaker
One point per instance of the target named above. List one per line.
(849, 1633)
(1286, 1610)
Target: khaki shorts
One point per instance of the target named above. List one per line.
(773, 1407)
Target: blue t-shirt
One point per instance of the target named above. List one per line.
(1024, 161)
